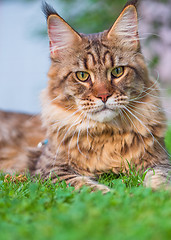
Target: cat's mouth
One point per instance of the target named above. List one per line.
(104, 109)
(104, 114)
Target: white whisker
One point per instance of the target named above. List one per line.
(69, 145)
(144, 92)
(122, 116)
(56, 98)
(154, 139)
(67, 118)
(136, 129)
(149, 104)
(143, 115)
(78, 136)
(148, 110)
(76, 122)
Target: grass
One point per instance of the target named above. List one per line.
(41, 210)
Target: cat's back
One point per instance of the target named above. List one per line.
(18, 132)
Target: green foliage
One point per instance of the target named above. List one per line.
(92, 15)
(41, 210)
(131, 179)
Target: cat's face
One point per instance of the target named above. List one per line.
(96, 75)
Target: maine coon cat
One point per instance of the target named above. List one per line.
(100, 111)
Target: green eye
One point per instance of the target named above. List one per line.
(82, 76)
(117, 72)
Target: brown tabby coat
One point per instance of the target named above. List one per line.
(93, 126)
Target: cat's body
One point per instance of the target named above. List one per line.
(19, 133)
(101, 109)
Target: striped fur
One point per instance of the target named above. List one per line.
(88, 136)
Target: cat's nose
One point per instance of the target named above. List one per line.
(104, 96)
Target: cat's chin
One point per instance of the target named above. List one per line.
(106, 115)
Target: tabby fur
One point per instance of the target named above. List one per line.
(97, 126)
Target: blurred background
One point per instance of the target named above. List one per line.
(24, 49)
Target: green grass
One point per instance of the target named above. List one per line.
(40, 210)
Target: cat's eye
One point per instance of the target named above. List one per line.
(82, 76)
(117, 72)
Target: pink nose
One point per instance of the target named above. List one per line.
(104, 96)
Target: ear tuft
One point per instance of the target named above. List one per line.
(48, 10)
(132, 2)
(61, 34)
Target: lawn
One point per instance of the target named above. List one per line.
(40, 210)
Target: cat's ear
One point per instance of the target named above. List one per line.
(61, 35)
(126, 27)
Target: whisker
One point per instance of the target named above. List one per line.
(149, 104)
(122, 116)
(54, 99)
(78, 141)
(150, 88)
(76, 122)
(139, 122)
(144, 109)
(88, 121)
(67, 118)
(167, 109)
(136, 129)
(163, 89)
(142, 115)
(69, 145)
(154, 96)
(154, 139)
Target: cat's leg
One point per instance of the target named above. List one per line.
(63, 173)
(79, 181)
(58, 170)
(158, 177)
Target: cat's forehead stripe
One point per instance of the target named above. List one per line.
(98, 58)
(91, 57)
(90, 60)
(108, 58)
(99, 52)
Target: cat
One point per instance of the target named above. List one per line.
(101, 110)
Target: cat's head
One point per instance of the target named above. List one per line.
(96, 75)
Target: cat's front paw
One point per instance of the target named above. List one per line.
(93, 185)
(159, 177)
(100, 187)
